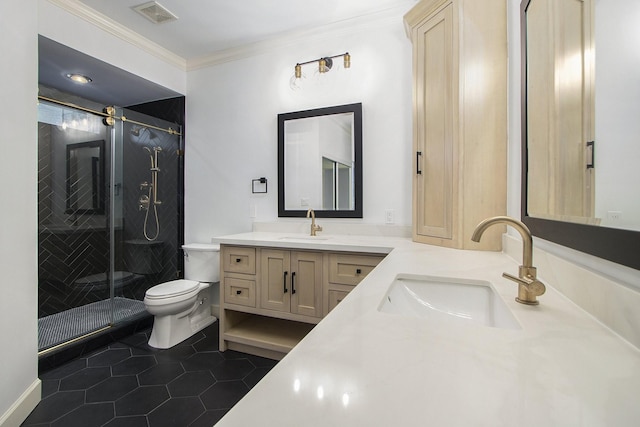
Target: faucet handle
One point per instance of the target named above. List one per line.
(528, 288)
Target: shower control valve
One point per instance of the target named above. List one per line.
(145, 185)
(143, 202)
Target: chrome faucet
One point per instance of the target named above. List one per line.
(314, 227)
(529, 287)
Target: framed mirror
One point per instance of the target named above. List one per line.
(580, 109)
(85, 178)
(320, 162)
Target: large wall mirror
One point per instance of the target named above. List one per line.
(320, 162)
(580, 125)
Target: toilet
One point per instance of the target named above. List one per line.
(182, 307)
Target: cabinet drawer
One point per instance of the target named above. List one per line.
(351, 269)
(335, 297)
(240, 291)
(239, 260)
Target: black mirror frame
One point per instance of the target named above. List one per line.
(616, 245)
(99, 191)
(356, 109)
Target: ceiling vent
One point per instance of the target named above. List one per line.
(155, 12)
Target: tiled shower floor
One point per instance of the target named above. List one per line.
(69, 324)
(131, 384)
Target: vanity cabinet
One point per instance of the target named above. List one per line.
(291, 281)
(459, 119)
(270, 298)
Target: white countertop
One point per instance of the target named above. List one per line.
(362, 367)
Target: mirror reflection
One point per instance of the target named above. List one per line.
(581, 79)
(319, 162)
(85, 177)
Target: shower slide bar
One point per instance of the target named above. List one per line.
(108, 113)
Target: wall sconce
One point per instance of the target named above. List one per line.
(324, 66)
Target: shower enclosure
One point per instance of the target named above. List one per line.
(109, 201)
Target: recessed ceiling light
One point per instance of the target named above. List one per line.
(79, 78)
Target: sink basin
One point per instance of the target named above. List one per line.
(445, 299)
(303, 238)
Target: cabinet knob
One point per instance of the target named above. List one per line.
(358, 271)
(238, 292)
(238, 259)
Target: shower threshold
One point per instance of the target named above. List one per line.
(67, 325)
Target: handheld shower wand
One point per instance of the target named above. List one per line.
(151, 200)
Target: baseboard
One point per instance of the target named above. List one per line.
(21, 408)
(215, 310)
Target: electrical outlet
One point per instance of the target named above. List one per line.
(253, 211)
(389, 216)
(614, 215)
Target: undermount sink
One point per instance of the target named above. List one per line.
(445, 299)
(302, 238)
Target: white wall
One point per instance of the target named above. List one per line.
(18, 218)
(232, 127)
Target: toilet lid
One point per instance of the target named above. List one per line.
(172, 289)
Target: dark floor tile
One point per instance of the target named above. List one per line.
(91, 415)
(235, 369)
(142, 400)
(85, 378)
(135, 339)
(261, 362)
(208, 343)
(202, 361)
(175, 354)
(255, 376)
(209, 418)
(111, 389)
(139, 421)
(133, 365)
(161, 374)
(55, 406)
(49, 387)
(223, 395)
(191, 384)
(148, 387)
(65, 370)
(192, 339)
(108, 357)
(180, 411)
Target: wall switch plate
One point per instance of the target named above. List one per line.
(389, 216)
(253, 211)
(304, 201)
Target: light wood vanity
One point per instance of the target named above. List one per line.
(270, 298)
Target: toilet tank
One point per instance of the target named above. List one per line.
(202, 262)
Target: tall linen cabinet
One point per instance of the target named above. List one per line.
(459, 120)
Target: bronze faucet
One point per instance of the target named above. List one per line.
(314, 227)
(528, 286)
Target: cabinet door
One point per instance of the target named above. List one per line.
(275, 280)
(433, 121)
(306, 283)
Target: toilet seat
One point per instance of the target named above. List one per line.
(175, 288)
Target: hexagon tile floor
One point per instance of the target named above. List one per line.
(131, 384)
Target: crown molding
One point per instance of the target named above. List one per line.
(388, 17)
(112, 27)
